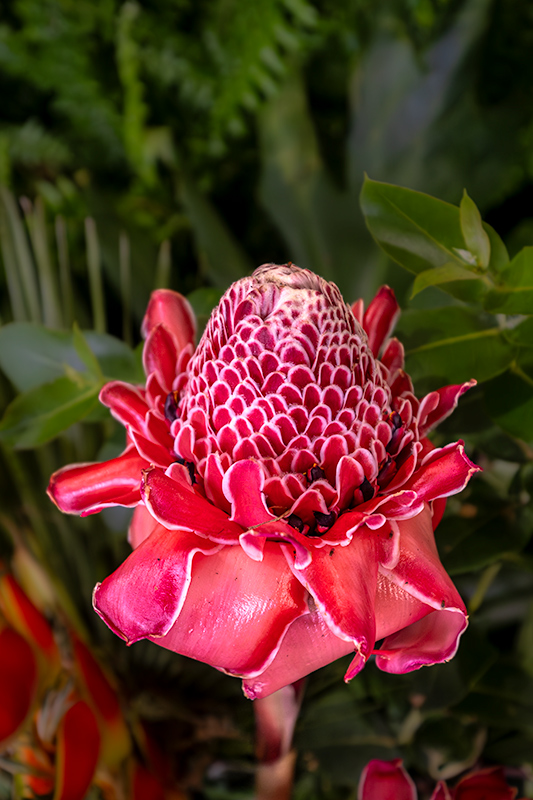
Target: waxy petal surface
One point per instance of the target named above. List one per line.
(231, 593)
(179, 508)
(386, 780)
(87, 488)
(173, 311)
(144, 596)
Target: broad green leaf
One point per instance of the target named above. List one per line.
(478, 547)
(31, 355)
(476, 238)
(509, 399)
(117, 360)
(436, 277)
(514, 295)
(420, 232)
(452, 345)
(416, 230)
(85, 354)
(40, 414)
(522, 334)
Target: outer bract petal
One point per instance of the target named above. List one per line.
(444, 472)
(485, 784)
(386, 780)
(87, 488)
(434, 637)
(307, 645)
(380, 317)
(172, 310)
(342, 582)
(144, 596)
(441, 792)
(237, 611)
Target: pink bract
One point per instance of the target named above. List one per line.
(388, 780)
(285, 488)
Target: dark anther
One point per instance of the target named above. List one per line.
(386, 472)
(366, 490)
(296, 522)
(190, 467)
(171, 406)
(316, 473)
(396, 432)
(323, 521)
(396, 421)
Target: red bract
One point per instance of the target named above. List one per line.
(381, 780)
(285, 490)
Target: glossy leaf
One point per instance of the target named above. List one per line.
(514, 295)
(436, 277)
(468, 547)
(419, 232)
(31, 355)
(476, 238)
(452, 345)
(521, 334)
(38, 415)
(509, 399)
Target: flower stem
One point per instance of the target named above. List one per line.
(275, 718)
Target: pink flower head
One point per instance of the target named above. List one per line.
(388, 780)
(285, 490)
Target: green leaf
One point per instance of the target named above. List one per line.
(476, 238)
(38, 415)
(31, 355)
(509, 399)
(414, 229)
(420, 232)
(85, 354)
(452, 345)
(522, 334)
(514, 295)
(478, 547)
(117, 360)
(436, 277)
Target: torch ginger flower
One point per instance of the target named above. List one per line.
(285, 490)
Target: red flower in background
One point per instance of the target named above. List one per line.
(388, 780)
(285, 490)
